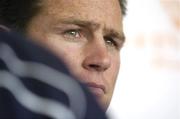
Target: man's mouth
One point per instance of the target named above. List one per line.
(97, 89)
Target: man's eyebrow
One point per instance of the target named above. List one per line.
(119, 35)
(82, 23)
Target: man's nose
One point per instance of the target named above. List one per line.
(97, 57)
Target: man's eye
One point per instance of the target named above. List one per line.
(72, 34)
(110, 42)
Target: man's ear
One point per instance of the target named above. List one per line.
(4, 28)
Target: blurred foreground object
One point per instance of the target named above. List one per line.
(35, 84)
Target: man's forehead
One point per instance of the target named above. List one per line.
(90, 3)
(72, 14)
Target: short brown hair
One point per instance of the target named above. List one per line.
(17, 13)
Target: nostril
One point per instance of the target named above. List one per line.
(94, 66)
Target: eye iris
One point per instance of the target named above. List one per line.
(74, 33)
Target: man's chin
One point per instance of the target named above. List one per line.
(100, 99)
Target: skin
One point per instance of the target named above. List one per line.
(88, 36)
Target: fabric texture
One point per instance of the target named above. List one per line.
(34, 84)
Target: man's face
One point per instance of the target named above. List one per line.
(87, 35)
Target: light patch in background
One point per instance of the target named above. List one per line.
(148, 85)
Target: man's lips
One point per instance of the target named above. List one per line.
(96, 89)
